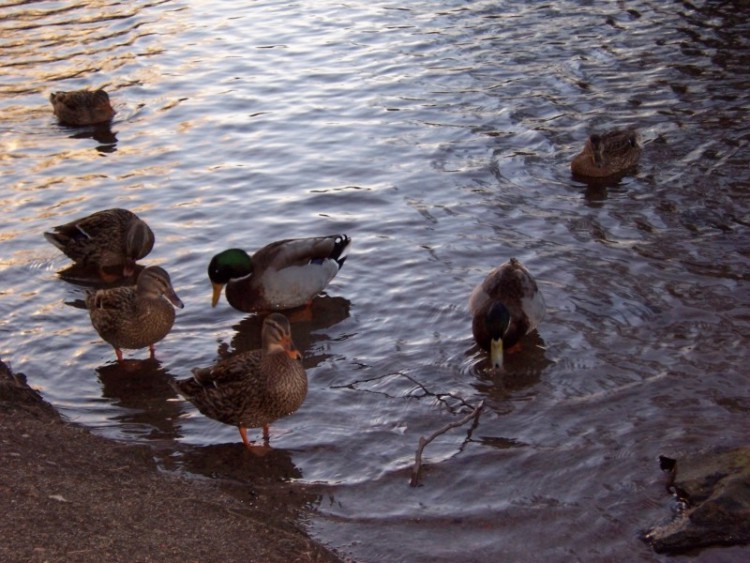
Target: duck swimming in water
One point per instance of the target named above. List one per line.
(82, 107)
(607, 154)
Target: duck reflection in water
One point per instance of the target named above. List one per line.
(521, 370)
(101, 133)
(91, 276)
(223, 462)
(309, 328)
(141, 389)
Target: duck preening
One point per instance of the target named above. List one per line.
(110, 241)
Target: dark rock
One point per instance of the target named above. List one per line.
(713, 490)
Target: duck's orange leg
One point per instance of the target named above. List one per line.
(301, 314)
(257, 450)
(513, 349)
(118, 353)
(243, 433)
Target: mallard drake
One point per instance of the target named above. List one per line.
(607, 154)
(82, 107)
(137, 316)
(504, 307)
(110, 240)
(252, 389)
(283, 275)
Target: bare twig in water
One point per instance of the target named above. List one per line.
(424, 441)
(458, 402)
(439, 396)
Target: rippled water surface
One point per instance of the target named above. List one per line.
(438, 135)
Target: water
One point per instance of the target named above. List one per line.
(438, 136)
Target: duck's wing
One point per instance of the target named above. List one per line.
(109, 224)
(229, 370)
(297, 252)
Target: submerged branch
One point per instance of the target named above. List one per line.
(424, 441)
(451, 401)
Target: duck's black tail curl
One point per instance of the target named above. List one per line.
(340, 249)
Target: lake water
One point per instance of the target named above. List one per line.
(438, 135)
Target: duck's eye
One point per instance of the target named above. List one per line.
(632, 142)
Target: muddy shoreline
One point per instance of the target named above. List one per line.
(70, 495)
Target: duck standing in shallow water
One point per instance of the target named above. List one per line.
(252, 389)
(137, 316)
(506, 306)
(283, 275)
(82, 107)
(110, 240)
(607, 154)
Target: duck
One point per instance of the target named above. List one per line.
(607, 154)
(138, 316)
(82, 107)
(504, 307)
(282, 275)
(110, 240)
(251, 389)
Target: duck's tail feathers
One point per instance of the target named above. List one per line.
(341, 249)
(55, 239)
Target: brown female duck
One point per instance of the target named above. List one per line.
(252, 389)
(607, 154)
(137, 316)
(506, 306)
(282, 275)
(82, 107)
(110, 240)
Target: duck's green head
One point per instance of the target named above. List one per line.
(225, 266)
(497, 322)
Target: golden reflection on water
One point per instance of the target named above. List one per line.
(81, 44)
